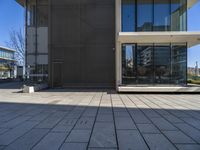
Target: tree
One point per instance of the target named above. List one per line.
(17, 42)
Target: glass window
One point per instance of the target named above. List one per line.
(145, 63)
(179, 63)
(42, 13)
(156, 15)
(128, 64)
(31, 13)
(144, 15)
(178, 15)
(161, 15)
(128, 15)
(162, 63)
(37, 20)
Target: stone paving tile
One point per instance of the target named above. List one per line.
(85, 123)
(138, 116)
(189, 130)
(179, 113)
(15, 133)
(124, 123)
(51, 121)
(79, 136)
(98, 120)
(103, 136)
(102, 148)
(130, 140)
(3, 130)
(74, 146)
(172, 119)
(163, 124)
(150, 113)
(188, 146)
(28, 140)
(193, 122)
(90, 112)
(147, 128)
(103, 110)
(52, 141)
(178, 137)
(14, 122)
(11, 116)
(121, 114)
(158, 142)
(105, 118)
(40, 117)
(65, 125)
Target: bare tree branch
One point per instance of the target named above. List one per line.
(17, 42)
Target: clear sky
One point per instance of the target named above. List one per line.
(12, 17)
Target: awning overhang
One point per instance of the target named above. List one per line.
(190, 3)
(191, 38)
(21, 2)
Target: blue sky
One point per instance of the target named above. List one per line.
(12, 17)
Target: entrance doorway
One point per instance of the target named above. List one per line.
(57, 74)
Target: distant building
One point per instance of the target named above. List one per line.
(193, 71)
(7, 63)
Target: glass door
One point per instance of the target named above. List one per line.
(128, 64)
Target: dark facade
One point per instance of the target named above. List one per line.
(82, 41)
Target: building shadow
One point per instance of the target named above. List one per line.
(57, 117)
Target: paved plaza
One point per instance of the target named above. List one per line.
(64, 119)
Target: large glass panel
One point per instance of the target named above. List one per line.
(145, 64)
(128, 15)
(162, 63)
(179, 63)
(128, 64)
(37, 40)
(161, 15)
(178, 15)
(144, 15)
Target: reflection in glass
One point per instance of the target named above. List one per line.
(155, 64)
(161, 15)
(128, 64)
(154, 15)
(162, 63)
(144, 64)
(178, 15)
(144, 15)
(37, 39)
(128, 15)
(179, 63)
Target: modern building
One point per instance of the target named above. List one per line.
(7, 63)
(108, 43)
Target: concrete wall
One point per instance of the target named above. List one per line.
(82, 42)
